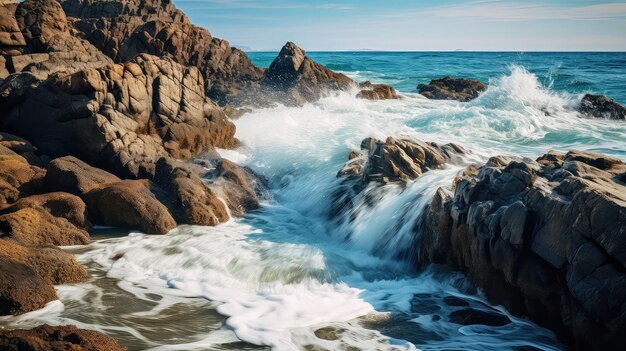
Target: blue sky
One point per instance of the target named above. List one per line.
(515, 25)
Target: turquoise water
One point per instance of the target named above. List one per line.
(278, 276)
(573, 72)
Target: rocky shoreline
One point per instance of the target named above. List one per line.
(107, 107)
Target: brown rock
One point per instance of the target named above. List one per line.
(129, 204)
(545, 239)
(52, 264)
(74, 176)
(21, 147)
(376, 91)
(22, 289)
(32, 227)
(58, 204)
(10, 34)
(194, 202)
(449, 88)
(17, 177)
(57, 338)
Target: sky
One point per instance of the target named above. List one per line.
(414, 25)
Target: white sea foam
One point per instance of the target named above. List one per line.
(284, 271)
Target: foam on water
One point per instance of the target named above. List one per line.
(283, 272)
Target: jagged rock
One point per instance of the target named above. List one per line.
(545, 239)
(194, 202)
(122, 118)
(123, 29)
(74, 176)
(449, 88)
(34, 227)
(58, 204)
(57, 338)
(601, 106)
(17, 177)
(402, 159)
(377, 91)
(237, 185)
(129, 204)
(50, 46)
(52, 264)
(301, 78)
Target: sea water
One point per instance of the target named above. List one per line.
(286, 277)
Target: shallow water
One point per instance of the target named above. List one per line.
(286, 276)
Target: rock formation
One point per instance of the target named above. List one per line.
(377, 91)
(600, 106)
(57, 338)
(546, 239)
(450, 88)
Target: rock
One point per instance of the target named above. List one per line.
(50, 46)
(53, 265)
(237, 185)
(129, 204)
(22, 289)
(10, 35)
(124, 29)
(74, 176)
(121, 118)
(600, 106)
(450, 88)
(545, 239)
(57, 338)
(21, 147)
(377, 91)
(33, 227)
(57, 204)
(234, 113)
(401, 159)
(300, 78)
(17, 177)
(469, 316)
(194, 202)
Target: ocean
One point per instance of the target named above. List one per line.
(285, 276)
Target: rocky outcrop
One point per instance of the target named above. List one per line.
(129, 204)
(600, 106)
(20, 147)
(47, 45)
(371, 91)
(28, 275)
(74, 176)
(300, 78)
(11, 38)
(122, 118)
(450, 88)
(57, 338)
(545, 239)
(57, 204)
(124, 29)
(33, 227)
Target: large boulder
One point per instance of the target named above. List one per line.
(37, 227)
(57, 338)
(21, 147)
(11, 38)
(544, 238)
(299, 77)
(17, 176)
(74, 176)
(122, 118)
(129, 204)
(58, 204)
(600, 106)
(450, 88)
(22, 289)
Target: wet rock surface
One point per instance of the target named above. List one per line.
(57, 338)
(544, 238)
(600, 106)
(450, 88)
(371, 91)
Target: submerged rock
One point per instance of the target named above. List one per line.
(545, 239)
(377, 91)
(57, 338)
(600, 106)
(450, 88)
